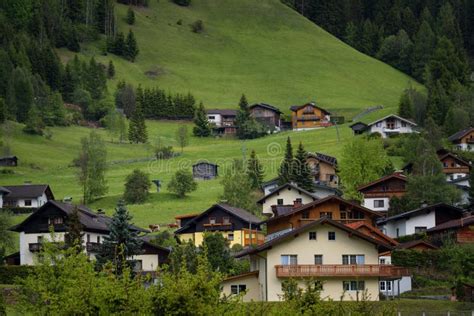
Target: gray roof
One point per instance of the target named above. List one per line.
(225, 112)
(89, 219)
(266, 106)
(28, 191)
(4, 190)
(460, 134)
(393, 115)
(323, 157)
(418, 211)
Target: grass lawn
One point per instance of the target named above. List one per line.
(49, 161)
(261, 48)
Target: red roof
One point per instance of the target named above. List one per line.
(376, 231)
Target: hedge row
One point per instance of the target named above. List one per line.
(10, 274)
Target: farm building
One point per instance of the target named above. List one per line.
(205, 170)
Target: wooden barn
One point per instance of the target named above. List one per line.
(205, 170)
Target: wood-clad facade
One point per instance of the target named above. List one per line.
(463, 140)
(323, 169)
(377, 194)
(309, 116)
(332, 207)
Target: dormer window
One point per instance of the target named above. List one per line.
(55, 220)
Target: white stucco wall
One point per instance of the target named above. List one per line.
(396, 286)
(288, 196)
(332, 252)
(150, 262)
(35, 202)
(465, 147)
(217, 120)
(369, 203)
(407, 226)
(1, 200)
(454, 176)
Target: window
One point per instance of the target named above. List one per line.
(98, 239)
(353, 285)
(356, 215)
(404, 124)
(225, 220)
(211, 117)
(398, 232)
(378, 203)
(353, 259)
(343, 215)
(312, 235)
(237, 289)
(382, 285)
(379, 124)
(389, 285)
(445, 164)
(39, 239)
(289, 260)
(280, 201)
(327, 214)
(230, 236)
(331, 235)
(382, 260)
(318, 259)
(27, 202)
(137, 265)
(299, 201)
(212, 220)
(305, 215)
(420, 229)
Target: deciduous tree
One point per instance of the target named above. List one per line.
(181, 183)
(136, 187)
(182, 136)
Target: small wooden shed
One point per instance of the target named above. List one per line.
(205, 170)
(9, 161)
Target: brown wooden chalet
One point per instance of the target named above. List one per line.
(333, 207)
(266, 114)
(463, 140)
(308, 116)
(459, 230)
(377, 194)
(323, 168)
(237, 225)
(453, 166)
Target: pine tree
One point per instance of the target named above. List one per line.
(111, 70)
(254, 171)
(137, 132)
(303, 176)
(131, 47)
(20, 94)
(369, 38)
(74, 232)
(34, 123)
(409, 21)
(122, 242)
(242, 117)
(352, 35)
(286, 172)
(201, 123)
(130, 16)
(405, 106)
(448, 26)
(424, 43)
(456, 119)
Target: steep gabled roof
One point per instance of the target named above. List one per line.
(296, 232)
(418, 211)
(324, 158)
(455, 223)
(238, 212)
(455, 157)
(362, 224)
(324, 200)
(395, 116)
(28, 191)
(457, 136)
(395, 175)
(266, 106)
(225, 112)
(89, 219)
(295, 108)
(357, 123)
(414, 243)
(284, 186)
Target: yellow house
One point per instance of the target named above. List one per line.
(237, 225)
(341, 259)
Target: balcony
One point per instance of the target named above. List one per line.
(93, 247)
(340, 270)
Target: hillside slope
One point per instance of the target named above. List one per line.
(260, 48)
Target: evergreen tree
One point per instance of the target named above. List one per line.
(448, 26)
(405, 106)
(423, 46)
(286, 172)
(396, 51)
(131, 47)
(218, 252)
(136, 187)
(20, 95)
(242, 117)
(352, 35)
(369, 39)
(409, 21)
(130, 16)
(438, 102)
(471, 187)
(137, 132)
(3, 111)
(122, 242)
(303, 178)
(68, 84)
(74, 231)
(254, 171)
(432, 133)
(111, 70)
(34, 124)
(201, 123)
(456, 119)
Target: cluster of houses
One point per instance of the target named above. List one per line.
(313, 235)
(303, 117)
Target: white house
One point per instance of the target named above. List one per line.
(377, 194)
(222, 120)
(289, 195)
(340, 260)
(36, 228)
(462, 183)
(418, 220)
(392, 288)
(390, 125)
(27, 195)
(3, 192)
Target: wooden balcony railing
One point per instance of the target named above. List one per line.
(456, 169)
(335, 270)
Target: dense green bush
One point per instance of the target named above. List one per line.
(11, 274)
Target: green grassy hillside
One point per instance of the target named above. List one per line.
(260, 48)
(49, 161)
